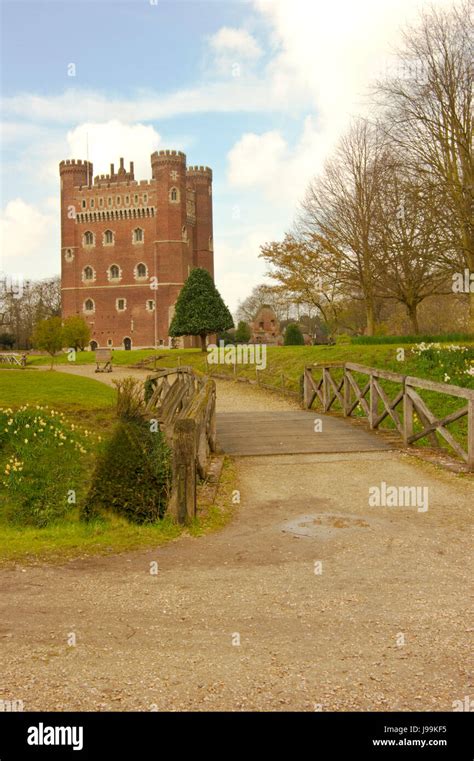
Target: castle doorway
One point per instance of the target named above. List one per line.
(127, 343)
(94, 345)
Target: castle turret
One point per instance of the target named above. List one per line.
(169, 171)
(200, 180)
(73, 174)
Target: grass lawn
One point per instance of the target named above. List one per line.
(52, 388)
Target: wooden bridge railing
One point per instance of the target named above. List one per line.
(185, 405)
(376, 405)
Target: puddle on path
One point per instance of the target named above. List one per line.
(323, 525)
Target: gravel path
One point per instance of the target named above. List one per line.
(309, 600)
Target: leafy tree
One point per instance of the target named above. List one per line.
(293, 336)
(242, 334)
(76, 332)
(6, 340)
(49, 336)
(200, 310)
(228, 338)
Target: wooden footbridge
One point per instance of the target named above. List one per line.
(294, 432)
(185, 405)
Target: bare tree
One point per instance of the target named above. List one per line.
(339, 213)
(429, 107)
(410, 241)
(263, 295)
(25, 304)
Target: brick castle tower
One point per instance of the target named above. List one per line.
(127, 246)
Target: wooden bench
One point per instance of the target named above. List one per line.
(103, 356)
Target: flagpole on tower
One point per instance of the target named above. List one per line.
(87, 156)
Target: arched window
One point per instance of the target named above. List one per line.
(114, 272)
(88, 273)
(89, 305)
(174, 195)
(138, 235)
(88, 238)
(108, 238)
(141, 270)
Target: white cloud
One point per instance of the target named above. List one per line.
(26, 234)
(237, 42)
(108, 141)
(234, 51)
(234, 94)
(256, 159)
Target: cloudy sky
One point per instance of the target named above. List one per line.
(258, 90)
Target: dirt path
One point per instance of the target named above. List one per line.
(383, 626)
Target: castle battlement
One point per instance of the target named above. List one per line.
(75, 162)
(203, 171)
(101, 182)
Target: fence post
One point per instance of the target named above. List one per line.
(407, 416)
(373, 401)
(306, 388)
(470, 434)
(184, 470)
(347, 393)
(326, 389)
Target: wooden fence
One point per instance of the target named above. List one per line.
(184, 403)
(402, 409)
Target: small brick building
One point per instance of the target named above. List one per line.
(127, 246)
(265, 328)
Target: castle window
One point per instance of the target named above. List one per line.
(92, 203)
(121, 305)
(110, 342)
(114, 272)
(101, 202)
(88, 273)
(89, 306)
(211, 243)
(184, 233)
(145, 197)
(141, 270)
(135, 198)
(137, 236)
(118, 200)
(127, 200)
(174, 195)
(108, 238)
(69, 255)
(88, 239)
(150, 305)
(84, 203)
(110, 200)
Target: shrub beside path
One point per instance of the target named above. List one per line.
(308, 600)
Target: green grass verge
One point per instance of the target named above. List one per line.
(74, 538)
(53, 388)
